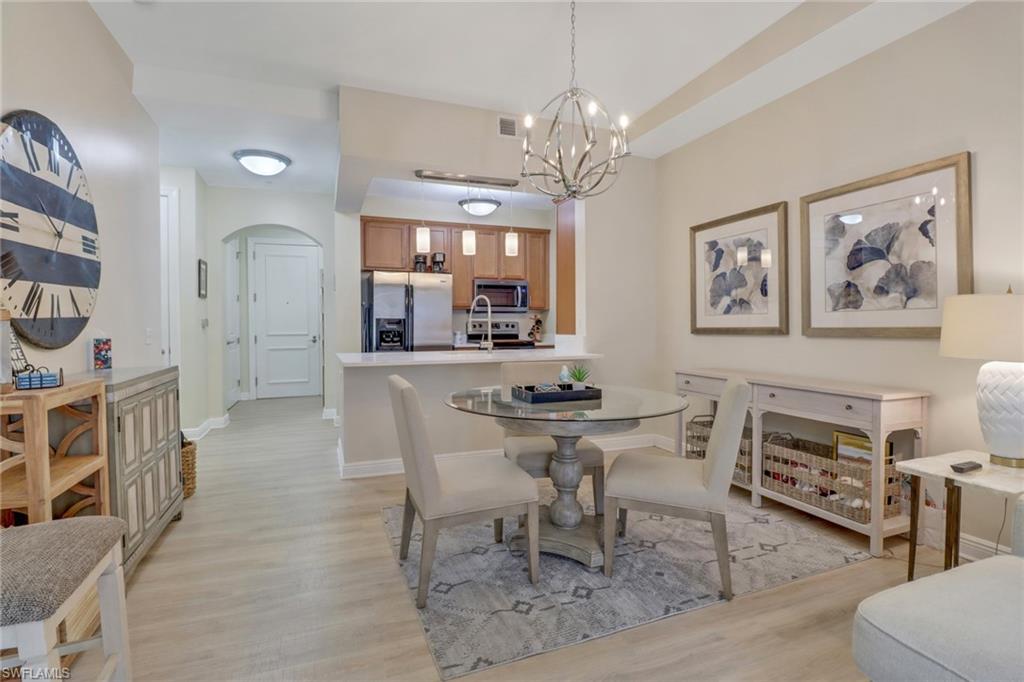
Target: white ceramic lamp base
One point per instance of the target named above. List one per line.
(1001, 411)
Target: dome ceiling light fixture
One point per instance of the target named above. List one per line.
(262, 162)
(478, 206)
(569, 165)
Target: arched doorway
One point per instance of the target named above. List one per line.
(273, 320)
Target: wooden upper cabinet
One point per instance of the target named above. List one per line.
(462, 273)
(513, 267)
(487, 261)
(386, 245)
(534, 246)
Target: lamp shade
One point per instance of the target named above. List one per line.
(983, 327)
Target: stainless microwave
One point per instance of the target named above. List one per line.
(505, 295)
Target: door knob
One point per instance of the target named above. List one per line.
(314, 338)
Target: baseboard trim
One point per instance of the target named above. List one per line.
(244, 395)
(973, 548)
(212, 423)
(390, 467)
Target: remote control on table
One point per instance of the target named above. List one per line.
(964, 467)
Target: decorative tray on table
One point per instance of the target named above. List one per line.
(554, 393)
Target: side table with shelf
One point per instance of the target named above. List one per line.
(878, 412)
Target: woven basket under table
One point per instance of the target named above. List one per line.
(698, 432)
(188, 468)
(792, 465)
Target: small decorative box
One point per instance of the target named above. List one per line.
(564, 394)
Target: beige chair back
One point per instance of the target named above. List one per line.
(724, 442)
(417, 457)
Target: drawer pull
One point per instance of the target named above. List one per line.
(849, 407)
(771, 395)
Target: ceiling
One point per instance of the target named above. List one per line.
(510, 57)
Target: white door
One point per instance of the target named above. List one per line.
(169, 288)
(232, 325)
(286, 319)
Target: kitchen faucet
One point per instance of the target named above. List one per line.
(487, 345)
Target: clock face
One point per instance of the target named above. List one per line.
(49, 241)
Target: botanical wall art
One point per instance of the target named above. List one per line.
(879, 255)
(738, 273)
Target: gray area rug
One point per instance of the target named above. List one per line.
(482, 610)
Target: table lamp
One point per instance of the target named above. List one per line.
(991, 327)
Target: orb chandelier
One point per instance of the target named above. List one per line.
(569, 165)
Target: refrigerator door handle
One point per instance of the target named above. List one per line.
(410, 329)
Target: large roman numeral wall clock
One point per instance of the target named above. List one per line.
(49, 240)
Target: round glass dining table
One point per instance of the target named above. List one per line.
(565, 529)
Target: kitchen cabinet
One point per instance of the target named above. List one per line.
(440, 240)
(513, 267)
(487, 261)
(386, 245)
(533, 246)
(390, 244)
(462, 274)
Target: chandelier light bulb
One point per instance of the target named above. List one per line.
(766, 258)
(528, 122)
(741, 256)
(592, 108)
(623, 121)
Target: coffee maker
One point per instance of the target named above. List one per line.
(419, 262)
(437, 261)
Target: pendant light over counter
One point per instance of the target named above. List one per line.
(422, 232)
(511, 237)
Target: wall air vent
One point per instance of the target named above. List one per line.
(507, 127)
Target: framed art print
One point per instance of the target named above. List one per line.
(738, 280)
(880, 255)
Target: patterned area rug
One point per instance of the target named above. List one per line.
(482, 610)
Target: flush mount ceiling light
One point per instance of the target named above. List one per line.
(261, 161)
(479, 206)
(568, 165)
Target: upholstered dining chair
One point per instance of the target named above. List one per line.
(446, 494)
(533, 453)
(674, 486)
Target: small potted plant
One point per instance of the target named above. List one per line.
(579, 375)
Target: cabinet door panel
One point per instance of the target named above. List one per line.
(513, 267)
(537, 268)
(147, 427)
(174, 469)
(161, 417)
(172, 412)
(149, 499)
(385, 245)
(131, 512)
(128, 436)
(462, 274)
(163, 481)
(486, 262)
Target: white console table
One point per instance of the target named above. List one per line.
(876, 411)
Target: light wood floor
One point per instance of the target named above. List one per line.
(280, 570)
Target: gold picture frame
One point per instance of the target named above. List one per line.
(854, 445)
(961, 260)
(781, 265)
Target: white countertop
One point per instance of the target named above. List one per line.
(991, 477)
(459, 357)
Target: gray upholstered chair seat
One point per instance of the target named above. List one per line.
(662, 479)
(42, 564)
(963, 624)
(533, 453)
(470, 485)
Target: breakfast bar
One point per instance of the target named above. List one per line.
(368, 444)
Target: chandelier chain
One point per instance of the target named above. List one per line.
(572, 43)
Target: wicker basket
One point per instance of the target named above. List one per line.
(805, 471)
(188, 468)
(698, 431)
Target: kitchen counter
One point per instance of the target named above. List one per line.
(460, 357)
(368, 442)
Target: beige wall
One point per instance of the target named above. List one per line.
(191, 357)
(229, 210)
(89, 96)
(955, 85)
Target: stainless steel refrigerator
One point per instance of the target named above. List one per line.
(406, 311)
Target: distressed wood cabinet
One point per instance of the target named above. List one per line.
(145, 454)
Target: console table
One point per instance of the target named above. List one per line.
(876, 411)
